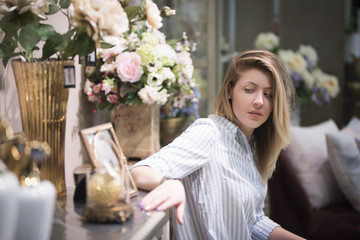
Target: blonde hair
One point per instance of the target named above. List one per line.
(274, 134)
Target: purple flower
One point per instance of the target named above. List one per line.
(320, 96)
(297, 79)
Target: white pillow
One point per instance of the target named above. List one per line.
(308, 156)
(344, 157)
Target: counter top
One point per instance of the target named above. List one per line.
(68, 225)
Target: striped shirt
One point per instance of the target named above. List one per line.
(224, 191)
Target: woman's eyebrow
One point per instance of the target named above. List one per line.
(252, 83)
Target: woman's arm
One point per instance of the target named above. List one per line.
(146, 177)
(163, 195)
(280, 233)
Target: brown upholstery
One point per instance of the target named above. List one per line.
(290, 207)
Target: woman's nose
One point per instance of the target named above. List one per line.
(259, 100)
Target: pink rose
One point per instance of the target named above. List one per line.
(128, 67)
(112, 98)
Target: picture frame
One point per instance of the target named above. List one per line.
(88, 137)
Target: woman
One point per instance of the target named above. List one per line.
(220, 165)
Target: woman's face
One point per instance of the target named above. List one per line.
(252, 100)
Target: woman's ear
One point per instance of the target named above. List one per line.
(229, 91)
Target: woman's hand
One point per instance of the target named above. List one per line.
(169, 194)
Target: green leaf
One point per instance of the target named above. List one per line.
(82, 45)
(64, 3)
(46, 30)
(9, 29)
(6, 60)
(67, 44)
(29, 36)
(105, 45)
(52, 9)
(51, 45)
(132, 11)
(53, 1)
(7, 48)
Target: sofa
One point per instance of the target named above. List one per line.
(318, 199)
(290, 207)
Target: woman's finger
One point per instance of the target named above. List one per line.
(180, 210)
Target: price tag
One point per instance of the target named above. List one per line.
(69, 76)
(91, 59)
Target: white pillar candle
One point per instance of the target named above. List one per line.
(9, 188)
(36, 212)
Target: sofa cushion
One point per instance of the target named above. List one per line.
(344, 157)
(307, 154)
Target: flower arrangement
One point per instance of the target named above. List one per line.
(23, 25)
(310, 82)
(143, 66)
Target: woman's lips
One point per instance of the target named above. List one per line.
(255, 114)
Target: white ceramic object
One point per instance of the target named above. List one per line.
(9, 188)
(36, 212)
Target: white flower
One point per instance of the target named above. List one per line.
(119, 47)
(317, 72)
(310, 54)
(100, 17)
(168, 74)
(161, 36)
(37, 7)
(188, 71)
(153, 14)
(183, 58)
(162, 96)
(330, 83)
(165, 50)
(168, 11)
(133, 40)
(88, 87)
(150, 95)
(114, 40)
(308, 79)
(155, 79)
(108, 67)
(294, 62)
(149, 38)
(268, 41)
(155, 66)
(179, 101)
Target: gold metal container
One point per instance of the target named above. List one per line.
(170, 128)
(43, 104)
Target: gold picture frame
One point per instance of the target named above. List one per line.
(88, 137)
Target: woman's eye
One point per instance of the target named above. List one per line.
(268, 95)
(248, 90)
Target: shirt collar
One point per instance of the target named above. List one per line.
(231, 127)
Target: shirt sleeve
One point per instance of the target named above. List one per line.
(263, 226)
(187, 153)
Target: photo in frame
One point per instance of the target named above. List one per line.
(110, 149)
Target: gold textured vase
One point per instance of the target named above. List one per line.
(43, 104)
(170, 128)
